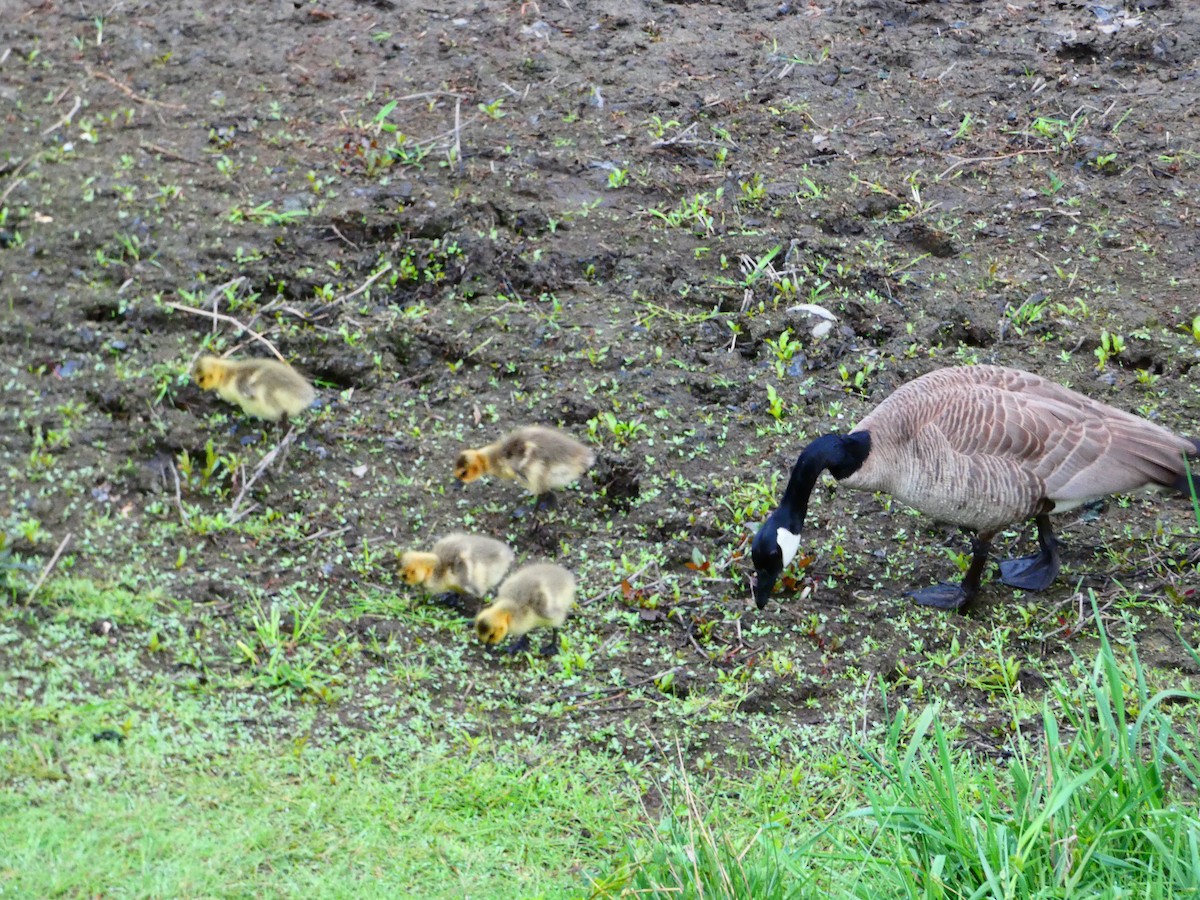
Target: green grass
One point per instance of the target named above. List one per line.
(1099, 801)
(1095, 798)
(278, 717)
(124, 820)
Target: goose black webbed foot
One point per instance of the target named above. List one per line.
(453, 601)
(958, 596)
(1030, 573)
(1036, 572)
(520, 645)
(541, 503)
(551, 647)
(946, 596)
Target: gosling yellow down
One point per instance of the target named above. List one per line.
(534, 596)
(263, 388)
(540, 459)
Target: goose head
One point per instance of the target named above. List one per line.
(208, 372)
(778, 539)
(773, 550)
(469, 466)
(492, 624)
(416, 568)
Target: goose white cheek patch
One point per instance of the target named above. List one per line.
(789, 544)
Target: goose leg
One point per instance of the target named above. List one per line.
(958, 596)
(452, 600)
(520, 645)
(1037, 572)
(534, 511)
(541, 502)
(551, 647)
(283, 445)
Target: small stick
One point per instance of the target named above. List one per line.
(335, 230)
(426, 94)
(65, 120)
(183, 514)
(231, 320)
(366, 284)
(263, 465)
(604, 693)
(14, 180)
(48, 568)
(325, 533)
(131, 93)
(163, 151)
(458, 133)
(977, 159)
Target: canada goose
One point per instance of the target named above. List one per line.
(539, 595)
(458, 564)
(263, 388)
(982, 447)
(539, 458)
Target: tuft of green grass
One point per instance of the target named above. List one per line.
(1096, 799)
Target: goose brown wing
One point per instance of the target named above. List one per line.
(985, 446)
(1076, 448)
(249, 383)
(1111, 455)
(517, 449)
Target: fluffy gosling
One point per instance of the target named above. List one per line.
(263, 388)
(458, 564)
(536, 596)
(538, 458)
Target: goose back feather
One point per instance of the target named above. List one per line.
(470, 563)
(985, 446)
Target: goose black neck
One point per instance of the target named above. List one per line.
(841, 454)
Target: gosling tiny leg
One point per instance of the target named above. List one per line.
(520, 645)
(453, 600)
(552, 645)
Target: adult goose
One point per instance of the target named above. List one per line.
(982, 447)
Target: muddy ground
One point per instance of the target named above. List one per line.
(458, 218)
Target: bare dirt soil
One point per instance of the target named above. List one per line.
(459, 218)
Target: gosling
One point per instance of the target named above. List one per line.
(538, 458)
(535, 596)
(264, 388)
(458, 564)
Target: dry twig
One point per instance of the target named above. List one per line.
(263, 465)
(66, 119)
(131, 93)
(978, 159)
(366, 284)
(163, 151)
(48, 568)
(232, 321)
(183, 513)
(14, 179)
